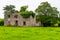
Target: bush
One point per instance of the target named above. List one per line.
(1, 22)
(56, 25)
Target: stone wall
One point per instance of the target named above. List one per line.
(20, 20)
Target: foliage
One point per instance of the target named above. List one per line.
(25, 13)
(46, 9)
(47, 20)
(56, 25)
(46, 13)
(9, 9)
(58, 20)
(1, 22)
(23, 8)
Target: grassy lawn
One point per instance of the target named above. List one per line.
(29, 33)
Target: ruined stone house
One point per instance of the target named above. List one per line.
(17, 20)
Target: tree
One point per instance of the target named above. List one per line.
(25, 13)
(9, 9)
(46, 9)
(46, 13)
(23, 8)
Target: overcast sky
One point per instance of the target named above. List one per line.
(32, 4)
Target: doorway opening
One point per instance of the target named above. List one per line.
(16, 23)
(24, 23)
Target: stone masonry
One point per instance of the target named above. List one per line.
(17, 20)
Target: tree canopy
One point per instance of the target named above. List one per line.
(46, 9)
(25, 13)
(9, 9)
(23, 8)
(47, 13)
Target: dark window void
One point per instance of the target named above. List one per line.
(16, 16)
(16, 22)
(8, 16)
(24, 23)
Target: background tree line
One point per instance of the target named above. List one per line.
(46, 14)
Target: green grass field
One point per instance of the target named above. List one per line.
(29, 33)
